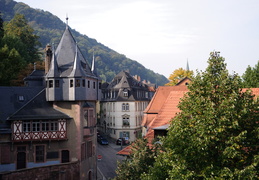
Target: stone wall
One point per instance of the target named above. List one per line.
(68, 171)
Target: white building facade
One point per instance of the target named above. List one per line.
(122, 106)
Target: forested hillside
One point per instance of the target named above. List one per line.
(50, 28)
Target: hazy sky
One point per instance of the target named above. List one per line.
(163, 34)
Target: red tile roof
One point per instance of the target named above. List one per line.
(163, 107)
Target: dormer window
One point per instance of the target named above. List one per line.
(125, 93)
(20, 98)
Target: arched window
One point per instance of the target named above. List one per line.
(127, 107)
(123, 107)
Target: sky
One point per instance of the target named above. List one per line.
(163, 35)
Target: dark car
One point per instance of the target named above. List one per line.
(102, 140)
(121, 140)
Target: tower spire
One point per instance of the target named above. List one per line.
(187, 66)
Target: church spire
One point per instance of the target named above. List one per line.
(187, 66)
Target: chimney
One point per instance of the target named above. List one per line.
(48, 57)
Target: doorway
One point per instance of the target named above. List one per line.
(21, 157)
(64, 156)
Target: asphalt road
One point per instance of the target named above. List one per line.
(108, 164)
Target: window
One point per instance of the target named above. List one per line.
(20, 98)
(77, 82)
(53, 126)
(100, 85)
(125, 93)
(125, 106)
(83, 82)
(35, 126)
(26, 126)
(39, 153)
(88, 84)
(50, 83)
(113, 121)
(71, 83)
(125, 120)
(56, 83)
(45, 126)
(94, 85)
(113, 106)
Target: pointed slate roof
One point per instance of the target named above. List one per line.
(67, 52)
(38, 109)
(77, 68)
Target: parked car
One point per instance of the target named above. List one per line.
(121, 140)
(102, 140)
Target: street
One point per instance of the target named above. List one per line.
(108, 164)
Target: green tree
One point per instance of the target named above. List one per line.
(11, 64)
(251, 77)
(216, 135)
(18, 48)
(18, 28)
(177, 75)
(141, 157)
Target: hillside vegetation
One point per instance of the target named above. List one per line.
(50, 28)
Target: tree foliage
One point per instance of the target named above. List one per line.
(177, 75)
(139, 161)
(251, 77)
(18, 48)
(216, 135)
(18, 28)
